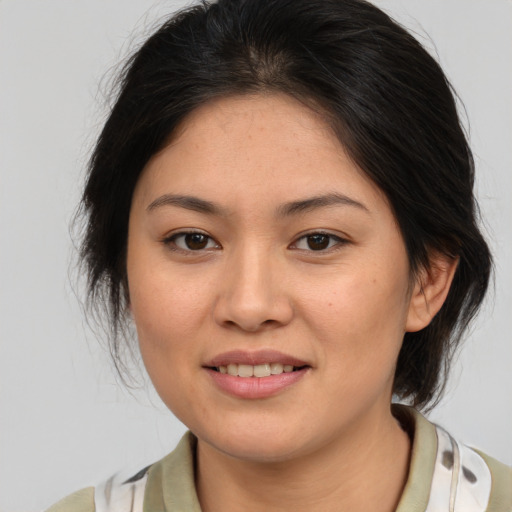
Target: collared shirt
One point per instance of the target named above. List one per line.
(444, 476)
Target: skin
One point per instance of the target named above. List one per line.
(329, 440)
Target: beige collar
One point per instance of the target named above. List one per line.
(171, 486)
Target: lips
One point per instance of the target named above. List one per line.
(254, 358)
(253, 375)
(259, 370)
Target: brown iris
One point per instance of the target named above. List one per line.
(196, 241)
(318, 242)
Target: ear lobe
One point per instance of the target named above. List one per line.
(430, 291)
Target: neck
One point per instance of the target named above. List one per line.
(363, 469)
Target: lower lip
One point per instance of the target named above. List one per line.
(256, 387)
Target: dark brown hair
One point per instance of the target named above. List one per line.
(384, 95)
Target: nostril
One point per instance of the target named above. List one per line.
(250, 327)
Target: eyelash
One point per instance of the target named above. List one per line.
(170, 242)
(338, 242)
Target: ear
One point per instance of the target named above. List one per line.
(430, 291)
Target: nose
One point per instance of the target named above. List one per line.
(253, 295)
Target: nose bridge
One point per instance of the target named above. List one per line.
(251, 296)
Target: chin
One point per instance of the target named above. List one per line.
(258, 443)
(259, 450)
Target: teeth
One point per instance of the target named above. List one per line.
(259, 370)
(262, 370)
(276, 368)
(245, 370)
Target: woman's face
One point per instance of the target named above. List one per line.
(256, 245)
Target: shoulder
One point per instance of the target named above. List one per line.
(446, 474)
(166, 485)
(123, 492)
(501, 477)
(80, 501)
(478, 481)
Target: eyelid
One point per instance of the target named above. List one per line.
(169, 238)
(340, 241)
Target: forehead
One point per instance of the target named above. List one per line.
(270, 146)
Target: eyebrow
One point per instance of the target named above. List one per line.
(312, 203)
(188, 202)
(292, 208)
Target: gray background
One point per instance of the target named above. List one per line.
(64, 420)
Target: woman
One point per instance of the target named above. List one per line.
(281, 199)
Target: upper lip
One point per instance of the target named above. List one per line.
(254, 358)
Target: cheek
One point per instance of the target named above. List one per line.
(358, 304)
(165, 298)
(360, 318)
(169, 318)
(166, 311)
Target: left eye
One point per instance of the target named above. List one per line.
(317, 242)
(192, 241)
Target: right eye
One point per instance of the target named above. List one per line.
(191, 241)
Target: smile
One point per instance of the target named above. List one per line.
(259, 370)
(256, 374)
